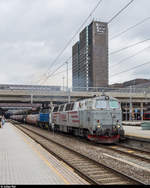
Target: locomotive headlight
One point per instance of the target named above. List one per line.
(119, 126)
(99, 126)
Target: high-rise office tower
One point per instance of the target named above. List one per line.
(90, 57)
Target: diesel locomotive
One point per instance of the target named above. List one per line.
(99, 119)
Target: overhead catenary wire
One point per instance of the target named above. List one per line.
(47, 76)
(117, 14)
(56, 69)
(61, 72)
(131, 45)
(129, 28)
(127, 70)
(125, 59)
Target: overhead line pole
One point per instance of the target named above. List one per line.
(68, 91)
(67, 73)
(63, 82)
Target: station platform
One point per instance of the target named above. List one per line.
(132, 123)
(136, 131)
(24, 162)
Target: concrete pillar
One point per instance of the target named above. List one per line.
(142, 111)
(51, 105)
(126, 111)
(31, 98)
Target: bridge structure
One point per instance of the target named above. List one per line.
(133, 100)
(44, 96)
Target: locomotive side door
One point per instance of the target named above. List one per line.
(89, 114)
(88, 118)
(81, 114)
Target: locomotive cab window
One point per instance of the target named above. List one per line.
(100, 104)
(55, 109)
(114, 104)
(89, 104)
(61, 108)
(72, 105)
(68, 107)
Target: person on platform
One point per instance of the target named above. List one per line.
(2, 121)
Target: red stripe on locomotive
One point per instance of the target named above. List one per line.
(73, 112)
(75, 121)
(75, 116)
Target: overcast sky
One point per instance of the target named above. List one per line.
(34, 32)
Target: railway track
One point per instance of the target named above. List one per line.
(92, 171)
(121, 149)
(125, 150)
(134, 153)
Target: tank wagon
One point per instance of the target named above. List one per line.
(41, 120)
(32, 119)
(99, 119)
(19, 118)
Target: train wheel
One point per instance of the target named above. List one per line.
(86, 133)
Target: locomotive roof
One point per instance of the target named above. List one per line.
(100, 97)
(104, 97)
(96, 97)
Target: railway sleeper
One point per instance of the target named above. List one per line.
(94, 168)
(89, 167)
(79, 162)
(83, 167)
(118, 183)
(99, 173)
(93, 171)
(108, 180)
